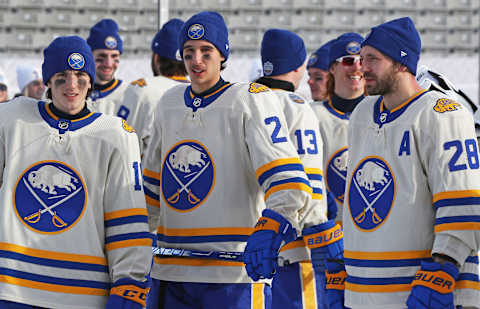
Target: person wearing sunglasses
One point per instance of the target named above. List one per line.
(317, 68)
(30, 82)
(412, 199)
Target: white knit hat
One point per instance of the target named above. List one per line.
(27, 74)
(3, 78)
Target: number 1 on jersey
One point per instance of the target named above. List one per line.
(137, 170)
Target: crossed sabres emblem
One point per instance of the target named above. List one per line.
(185, 158)
(48, 179)
(370, 174)
(338, 164)
(76, 61)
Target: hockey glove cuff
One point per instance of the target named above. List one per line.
(325, 242)
(433, 286)
(335, 284)
(261, 252)
(128, 294)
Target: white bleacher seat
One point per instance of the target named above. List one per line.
(434, 39)
(408, 5)
(312, 39)
(255, 5)
(370, 4)
(309, 4)
(340, 20)
(29, 4)
(438, 5)
(125, 5)
(313, 20)
(369, 19)
(147, 21)
(281, 20)
(244, 40)
(463, 5)
(42, 40)
(348, 5)
(432, 20)
(463, 20)
(19, 40)
(278, 4)
(23, 19)
(218, 5)
(244, 21)
(60, 19)
(462, 38)
(5, 4)
(95, 4)
(63, 4)
(127, 21)
(398, 14)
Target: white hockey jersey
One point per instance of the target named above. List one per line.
(304, 133)
(213, 164)
(73, 210)
(413, 189)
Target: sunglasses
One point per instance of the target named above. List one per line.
(349, 60)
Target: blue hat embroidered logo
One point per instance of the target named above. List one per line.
(76, 61)
(267, 68)
(196, 31)
(110, 42)
(312, 60)
(353, 48)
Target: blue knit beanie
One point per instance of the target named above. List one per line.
(67, 53)
(104, 35)
(345, 45)
(399, 40)
(319, 59)
(165, 42)
(282, 51)
(207, 26)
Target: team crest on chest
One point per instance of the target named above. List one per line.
(337, 174)
(371, 193)
(188, 175)
(49, 197)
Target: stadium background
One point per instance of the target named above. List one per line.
(449, 30)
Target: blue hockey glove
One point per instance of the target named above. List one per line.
(128, 294)
(433, 286)
(332, 207)
(261, 252)
(335, 284)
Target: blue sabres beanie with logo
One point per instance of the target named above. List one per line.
(104, 35)
(67, 53)
(282, 51)
(319, 59)
(399, 40)
(165, 42)
(345, 45)
(207, 26)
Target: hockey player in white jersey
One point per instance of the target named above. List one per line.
(219, 161)
(317, 68)
(411, 217)
(107, 47)
(74, 226)
(142, 95)
(283, 56)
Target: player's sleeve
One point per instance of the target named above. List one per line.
(450, 150)
(2, 156)
(279, 171)
(152, 162)
(128, 243)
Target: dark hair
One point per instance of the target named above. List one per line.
(330, 85)
(167, 67)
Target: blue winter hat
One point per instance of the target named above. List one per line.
(104, 35)
(399, 40)
(319, 59)
(67, 53)
(207, 26)
(345, 45)
(282, 51)
(165, 42)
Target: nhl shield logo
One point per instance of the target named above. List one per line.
(76, 61)
(336, 174)
(196, 31)
(49, 197)
(268, 68)
(188, 175)
(110, 42)
(371, 193)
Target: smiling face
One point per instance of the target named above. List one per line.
(203, 62)
(349, 82)
(317, 80)
(106, 61)
(69, 90)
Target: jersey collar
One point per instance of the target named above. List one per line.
(61, 124)
(101, 91)
(200, 101)
(382, 116)
(329, 106)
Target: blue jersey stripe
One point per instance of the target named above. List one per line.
(385, 263)
(127, 236)
(151, 180)
(472, 259)
(126, 220)
(279, 169)
(54, 280)
(469, 277)
(455, 219)
(317, 190)
(315, 177)
(457, 202)
(53, 263)
(201, 239)
(150, 193)
(380, 281)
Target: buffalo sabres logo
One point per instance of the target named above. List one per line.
(76, 61)
(337, 174)
(312, 60)
(267, 68)
(188, 175)
(353, 48)
(49, 197)
(110, 42)
(371, 193)
(196, 32)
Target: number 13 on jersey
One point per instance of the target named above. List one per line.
(305, 140)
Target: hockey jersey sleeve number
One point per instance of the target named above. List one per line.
(137, 168)
(311, 139)
(471, 151)
(276, 129)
